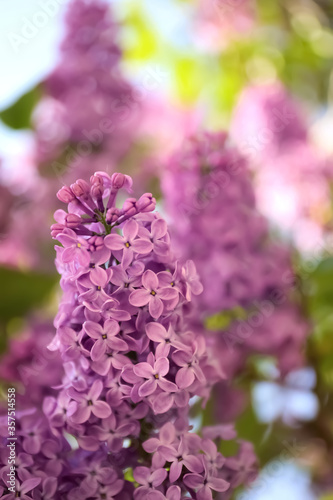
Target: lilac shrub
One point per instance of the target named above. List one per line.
(118, 424)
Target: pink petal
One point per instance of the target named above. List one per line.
(141, 475)
(144, 370)
(99, 276)
(156, 332)
(167, 433)
(218, 484)
(161, 366)
(150, 280)
(101, 409)
(130, 229)
(30, 484)
(127, 257)
(166, 385)
(181, 358)
(151, 445)
(117, 344)
(173, 493)
(175, 471)
(193, 463)
(168, 453)
(111, 327)
(161, 248)
(82, 414)
(94, 330)
(158, 476)
(159, 228)
(155, 307)
(193, 480)
(185, 377)
(118, 275)
(168, 293)
(68, 255)
(139, 298)
(205, 493)
(148, 388)
(142, 246)
(95, 390)
(114, 242)
(163, 402)
(98, 349)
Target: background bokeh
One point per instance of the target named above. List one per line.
(161, 72)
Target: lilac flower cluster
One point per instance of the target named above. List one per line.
(209, 195)
(88, 104)
(117, 426)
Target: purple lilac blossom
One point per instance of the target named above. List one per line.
(129, 368)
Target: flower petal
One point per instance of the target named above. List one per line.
(139, 298)
(218, 484)
(155, 307)
(144, 370)
(150, 280)
(114, 242)
(148, 388)
(156, 331)
(161, 366)
(101, 409)
(185, 377)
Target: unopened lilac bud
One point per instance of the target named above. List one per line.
(56, 229)
(72, 221)
(96, 180)
(146, 203)
(129, 207)
(97, 191)
(80, 188)
(119, 181)
(65, 194)
(106, 179)
(112, 215)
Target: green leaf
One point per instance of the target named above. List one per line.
(22, 291)
(18, 115)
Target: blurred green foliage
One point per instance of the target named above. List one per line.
(18, 115)
(20, 293)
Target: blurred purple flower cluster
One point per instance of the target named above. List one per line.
(89, 105)
(208, 192)
(292, 176)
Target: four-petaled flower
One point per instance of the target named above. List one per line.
(165, 338)
(204, 485)
(152, 294)
(154, 372)
(105, 336)
(125, 246)
(88, 404)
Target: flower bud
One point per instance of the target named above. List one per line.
(119, 181)
(146, 203)
(65, 194)
(56, 229)
(112, 215)
(80, 188)
(72, 221)
(129, 207)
